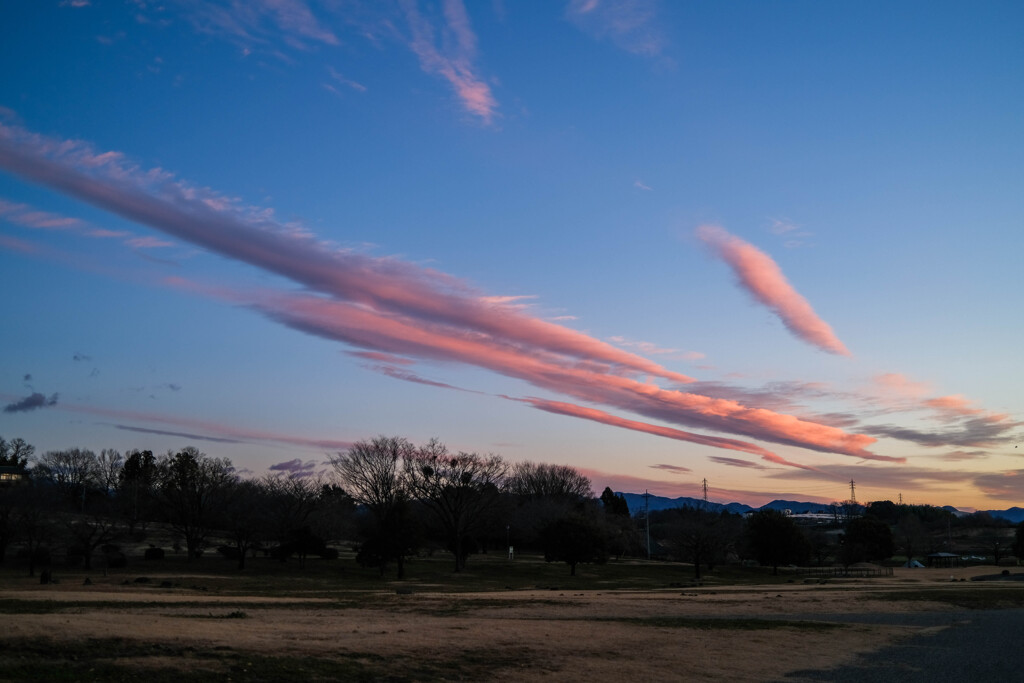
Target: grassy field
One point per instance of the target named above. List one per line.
(527, 619)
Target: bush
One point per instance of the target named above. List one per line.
(116, 560)
(154, 553)
(229, 552)
(329, 553)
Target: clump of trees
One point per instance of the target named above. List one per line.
(394, 500)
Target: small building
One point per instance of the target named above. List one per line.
(11, 475)
(944, 560)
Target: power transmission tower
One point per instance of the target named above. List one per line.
(853, 492)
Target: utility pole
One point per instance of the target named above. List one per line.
(647, 520)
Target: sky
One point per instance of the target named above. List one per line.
(770, 246)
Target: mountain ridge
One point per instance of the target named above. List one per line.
(655, 503)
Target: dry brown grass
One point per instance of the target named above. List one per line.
(563, 635)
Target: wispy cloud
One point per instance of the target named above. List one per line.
(184, 435)
(409, 376)
(24, 215)
(735, 462)
(631, 25)
(261, 21)
(793, 235)
(295, 468)
(384, 305)
(640, 185)
(31, 402)
(675, 469)
(763, 279)
(342, 80)
(200, 429)
(451, 55)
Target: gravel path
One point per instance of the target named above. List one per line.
(982, 645)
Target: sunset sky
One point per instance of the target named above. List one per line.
(774, 245)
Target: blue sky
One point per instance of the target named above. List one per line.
(773, 245)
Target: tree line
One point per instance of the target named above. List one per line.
(391, 500)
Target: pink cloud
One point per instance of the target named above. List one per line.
(588, 381)
(901, 385)
(952, 406)
(763, 279)
(384, 305)
(668, 432)
(249, 235)
(454, 60)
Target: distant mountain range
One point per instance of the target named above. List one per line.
(636, 504)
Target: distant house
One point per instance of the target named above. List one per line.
(11, 475)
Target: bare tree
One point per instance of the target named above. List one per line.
(15, 453)
(73, 472)
(289, 503)
(911, 536)
(458, 489)
(191, 488)
(108, 470)
(244, 516)
(372, 473)
(89, 531)
(540, 480)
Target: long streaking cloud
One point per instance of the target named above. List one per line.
(764, 280)
(384, 305)
(202, 217)
(587, 381)
(561, 408)
(205, 430)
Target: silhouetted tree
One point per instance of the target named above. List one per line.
(73, 472)
(821, 545)
(190, 489)
(614, 504)
(458, 489)
(885, 510)
(88, 531)
(373, 474)
(1018, 542)
(135, 484)
(244, 516)
(866, 539)
(15, 453)
(775, 539)
(910, 536)
(575, 539)
(541, 480)
(108, 470)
